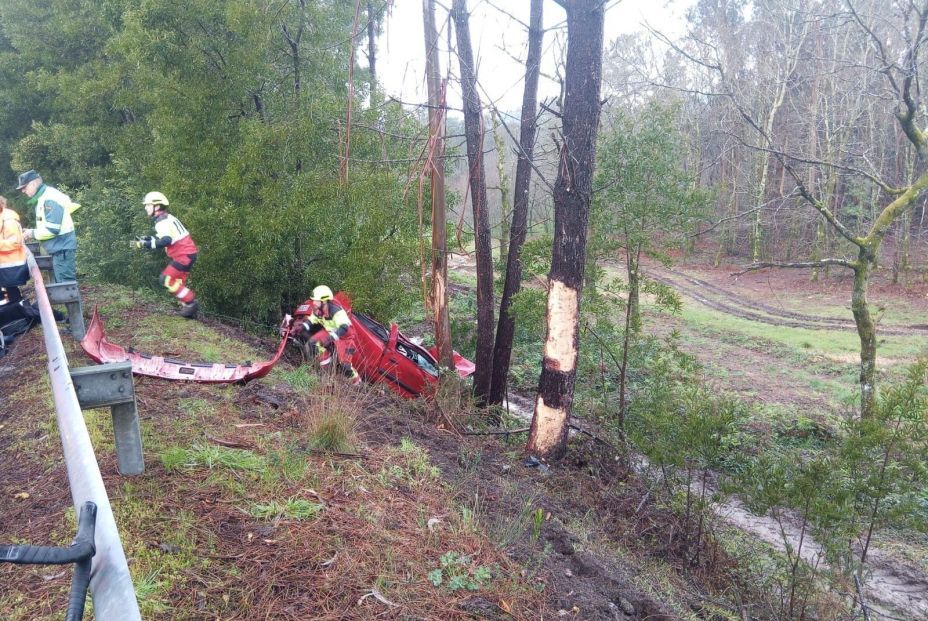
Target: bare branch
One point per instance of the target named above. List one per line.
(892, 191)
(717, 223)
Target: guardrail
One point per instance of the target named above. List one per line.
(110, 582)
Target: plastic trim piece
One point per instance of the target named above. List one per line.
(101, 350)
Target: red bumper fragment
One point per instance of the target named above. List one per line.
(101, 350)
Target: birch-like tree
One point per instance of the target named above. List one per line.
(438, 298)
(882, 42)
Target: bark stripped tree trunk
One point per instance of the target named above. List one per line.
(572, 197)
(474, 133)
(439, 291)
(502, 350)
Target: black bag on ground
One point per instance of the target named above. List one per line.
(17, 319)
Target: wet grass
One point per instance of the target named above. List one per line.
(800, 341)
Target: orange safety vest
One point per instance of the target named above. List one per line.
(13, 270)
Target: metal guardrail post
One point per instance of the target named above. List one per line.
(111, 385)
(44, 261)
(110, 583)
(68, 294)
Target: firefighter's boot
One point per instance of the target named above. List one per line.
(189, 310)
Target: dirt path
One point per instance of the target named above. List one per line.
(730, 303)
(891, 586)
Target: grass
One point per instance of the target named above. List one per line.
(301, 378)
(827, 343)
(178, 337)
(292, 508)
(820, 363)
(409, 466)
(212, 457)
(200, 502)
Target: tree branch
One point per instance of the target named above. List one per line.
(892, 191)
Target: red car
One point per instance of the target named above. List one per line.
(386, 356)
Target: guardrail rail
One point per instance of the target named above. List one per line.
(111, 585)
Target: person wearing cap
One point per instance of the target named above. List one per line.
(13, 270)
(171, 235)
(54, 228)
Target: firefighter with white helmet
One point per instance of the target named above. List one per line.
(330, 328)
(173, 236)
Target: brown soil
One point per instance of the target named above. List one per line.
(577, 559)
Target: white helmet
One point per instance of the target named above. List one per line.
(155, 198)
(321, 294)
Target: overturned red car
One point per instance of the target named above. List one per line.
(381, 355)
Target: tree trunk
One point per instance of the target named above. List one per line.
(572, 196)
(371, 43)
(439, 293)
(866, 330)
(793, 44)
(505, 206)
(632, 259)
(474, 133)
(502, 350)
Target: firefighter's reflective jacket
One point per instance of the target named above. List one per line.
(13, 270)
(173, 236)
(332, 318)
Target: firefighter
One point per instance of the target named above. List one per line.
(329, 327)
(171, 235)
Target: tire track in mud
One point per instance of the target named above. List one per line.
(724, 301)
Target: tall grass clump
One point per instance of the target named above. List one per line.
(329, 416)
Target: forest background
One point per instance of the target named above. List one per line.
(239, 113)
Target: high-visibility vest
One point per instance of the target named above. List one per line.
(182, 245)
(12, 248)
(336, 321)
(67, 224)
